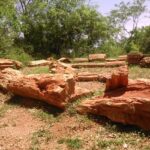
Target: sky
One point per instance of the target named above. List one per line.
(104, 6)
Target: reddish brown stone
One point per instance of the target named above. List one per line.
(53, 89)
(145, 62)
(97, 57)
(128, 106)
(8, 63)
(7, 75)
(96, 65)
(134, 58)
(118, 79)
(80, 92)
(59, 67)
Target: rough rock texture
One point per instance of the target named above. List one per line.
(127, 105)
(59, 67)
(97, 57)
(39, 63)
(86, 76)
(134, 58)
(80, 92)
(7, 75)
(122, 58)
(7, 63)
(64, 60)
(96, 65)
(145, 62)
(118, 79)
(80, 60)
(53, 89)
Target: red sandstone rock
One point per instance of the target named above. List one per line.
(7, 75)
(53, 89)
(134, 58)
(97, 57)
(128, 106)
(96, 65)
(80, 60)
(145, 62)
(80, 92)
(8, 63)
(59, 67)
(118, 79)
(39, 63)
(86, 76)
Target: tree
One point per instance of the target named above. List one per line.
(58, 26)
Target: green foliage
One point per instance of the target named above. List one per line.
(16, 53)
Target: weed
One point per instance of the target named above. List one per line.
(36, 70)
(75, 143)
(38, 137)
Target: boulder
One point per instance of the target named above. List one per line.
(54, 89)
(118, 79)
(8, 63)
(145, 62)
(64, 60)
(80, 60)
(129, 106)
(134, 58)
(97, 57)
(37, 63)
(97, 65)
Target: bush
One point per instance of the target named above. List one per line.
(16, 53)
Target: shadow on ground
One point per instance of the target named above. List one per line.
(118, 127)
(32, 103)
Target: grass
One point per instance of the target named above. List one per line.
(36, 70)
(45, 115)
(74, 143)
(39, 137)
(137, 72)
(3, 109)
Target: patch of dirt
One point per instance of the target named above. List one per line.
(16, 128)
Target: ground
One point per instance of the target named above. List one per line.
(27, 124)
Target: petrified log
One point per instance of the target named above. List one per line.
(7, 75)
(59, 67)
(37, 63)
(145, 62)
(86, 76)
(128, 106)
(8, 63)
(80, 60)
(118, 79)
(97, 65)
(53, 89)
(134, 58)
(97, 57)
